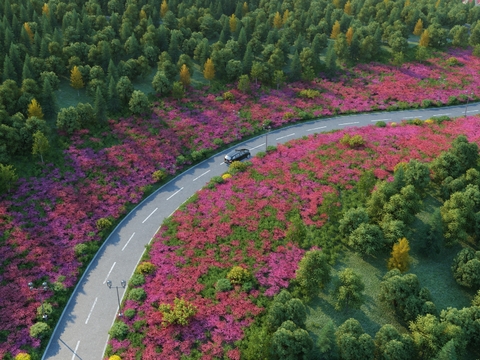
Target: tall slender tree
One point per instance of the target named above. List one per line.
(209, 70)
(76, 79)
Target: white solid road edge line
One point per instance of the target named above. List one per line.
(109, 272)
(198, 177)
(124, 246)
(75, 351)
(149, 215)
(90, 313)
(175, 193)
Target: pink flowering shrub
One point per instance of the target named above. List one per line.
(44, 219)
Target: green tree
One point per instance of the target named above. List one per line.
(404, 294)
(100, 106)
(8, 70)
(283, 308)
(475, 35)
(161, 84)
(233, 69)
(351, 220)
(353, 343)
(331, 59)
(178, 92)
(313, 273)
(244, 84)
(113, 103)
(8, 177)
(291, 343)
(124, 89)
(279, 78)
(138, 103)
(348, 290)
(429, 335)
(295, 67)
(341, 47)
(40, 144)
(466, 268)
(366, 239)
(257, 70)
(48, 100)
(391, 345)
(67, 120)
(459, 36)
(326, 342)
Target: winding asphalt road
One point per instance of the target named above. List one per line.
(82, 332)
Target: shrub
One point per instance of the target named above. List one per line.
(453, 61)
(226, 176)
(393, 124)
(119, 330)
(309, 93)
(381, 124)
(46, 309)
(22, 356)
(238, 275)
(180, 313)
(218, 142)
(80, 249)
(114, 357)
(352, 141)
(39, 330)
(227, 95)
(417, 121)
(103, 223)
(223, 285)
(137, 294)
(137, 280)
(236, 167)
(288, 115)
(426, 103)
(145, 268)
(429, 121)
(248, 286)
(159, 175)
(452, 100)
(129, 313)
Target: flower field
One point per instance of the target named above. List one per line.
(46, 219)
(244, 222)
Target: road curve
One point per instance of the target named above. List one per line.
(82, 331)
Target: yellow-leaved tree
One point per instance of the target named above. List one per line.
(424, 39)
(349, 35)
(45, 9)
(233, 23)
(209, 70)
(407, 3)
(163, 8)
(418, 28)
(244, 8)
(286, 15)
(184, 75)
(143, 14)
(34, 109)
(40, 144)
(29, 31)
(400, 255)
(348, 8)
(76, 80)
(335, 30)
(277, 21)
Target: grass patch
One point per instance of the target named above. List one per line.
(68, 96)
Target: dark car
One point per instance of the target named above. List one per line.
(237, 155)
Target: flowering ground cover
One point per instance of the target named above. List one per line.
(49, 226)
(244, 221)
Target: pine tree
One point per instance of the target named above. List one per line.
(15, 59)
(335, 30)
(400, 257)
(27, 68)
(233, 23)
(113, 98)
(29, 32)
(244, 8)
(163, 8)
(295, 67)
(248, 59)
(76, 80)
(209, 70)
(8, 70)
(424, 39)
(348, 8)
(185, 76)
(349, 35)
(40, 144)
(418, 28)
(286, 15)
(35, 110)
(277, 21)
(100, 106)
(331, 59)
(49, 103)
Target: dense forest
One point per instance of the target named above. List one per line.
(105, 46)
